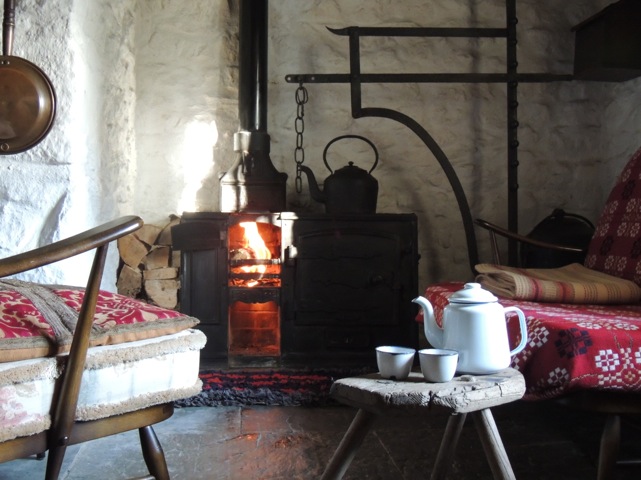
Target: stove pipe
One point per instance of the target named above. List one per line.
(252, 184)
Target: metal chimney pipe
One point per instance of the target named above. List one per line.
(252, 184)
(252, 66)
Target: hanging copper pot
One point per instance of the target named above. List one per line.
(27, 98)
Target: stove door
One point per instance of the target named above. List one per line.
(347, 277)
(352, 279)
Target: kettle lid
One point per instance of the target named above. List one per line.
(352, 171)
(472, 293)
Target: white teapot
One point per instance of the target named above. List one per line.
(474, 325)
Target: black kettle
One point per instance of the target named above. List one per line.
(347, 190)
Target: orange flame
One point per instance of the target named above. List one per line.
(255, 243)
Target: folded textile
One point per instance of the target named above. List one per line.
(572, 283)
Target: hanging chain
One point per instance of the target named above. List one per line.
(299, 126)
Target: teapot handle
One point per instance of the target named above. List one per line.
(523, 326)
(351, 136)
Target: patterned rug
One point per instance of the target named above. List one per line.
(267, 387)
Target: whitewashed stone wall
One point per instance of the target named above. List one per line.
(147, 111)
(82, 173)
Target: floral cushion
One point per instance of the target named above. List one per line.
(38, 320)
(615, 248)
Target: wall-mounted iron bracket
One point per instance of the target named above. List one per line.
(511, 78)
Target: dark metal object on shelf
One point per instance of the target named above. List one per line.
(608, 44)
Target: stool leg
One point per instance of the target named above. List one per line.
(493, 445)
(346, 450)
(448, 445)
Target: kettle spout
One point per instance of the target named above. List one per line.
(433, 333)
(315, 192)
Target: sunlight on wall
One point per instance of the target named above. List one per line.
(74, 210)
(197, 161)
(80, 110)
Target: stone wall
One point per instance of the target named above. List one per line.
(147, 111)
(82, 173)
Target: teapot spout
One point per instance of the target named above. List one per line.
(433, 333)
(315, 192)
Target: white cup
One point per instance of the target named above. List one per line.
(395, 362)
(437, 364)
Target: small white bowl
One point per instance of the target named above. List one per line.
(395, 362)
(437, 364)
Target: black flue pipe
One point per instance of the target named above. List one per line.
(252, 184)
(252, 65)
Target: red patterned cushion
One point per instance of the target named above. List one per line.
(615, 248)
(38, 321)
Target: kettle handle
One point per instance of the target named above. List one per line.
(350, 136)
(523, 326)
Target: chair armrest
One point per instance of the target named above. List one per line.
(523, 239)
(496, 230)
(70, 246)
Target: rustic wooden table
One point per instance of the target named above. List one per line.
(474, 394)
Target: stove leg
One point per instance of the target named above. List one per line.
(350, 443)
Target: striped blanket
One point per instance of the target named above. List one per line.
(569, 284)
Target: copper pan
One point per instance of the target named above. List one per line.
(27, 98)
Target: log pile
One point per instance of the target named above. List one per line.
(149, 267)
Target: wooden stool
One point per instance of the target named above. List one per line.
(374, 395)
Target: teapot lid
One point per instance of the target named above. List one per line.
(472, 293)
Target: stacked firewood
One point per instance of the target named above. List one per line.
(149, 267)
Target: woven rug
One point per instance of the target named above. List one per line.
(267, 387)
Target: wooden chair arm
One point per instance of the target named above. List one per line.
(496, 230)
(70, 247)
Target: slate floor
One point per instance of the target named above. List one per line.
(543, 441)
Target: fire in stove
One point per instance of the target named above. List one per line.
(254, 287)
(254, 252)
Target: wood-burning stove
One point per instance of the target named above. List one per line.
(316, 288)
(324, 289)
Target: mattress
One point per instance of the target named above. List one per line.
(117, 379)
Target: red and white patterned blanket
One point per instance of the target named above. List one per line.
(570, 347)
(39, 321)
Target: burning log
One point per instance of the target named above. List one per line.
(252, 261)
(244, 253)
(148, 265)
